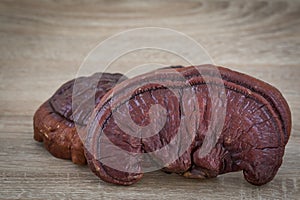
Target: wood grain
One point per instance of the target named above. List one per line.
(42, 44)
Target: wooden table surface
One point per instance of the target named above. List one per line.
(42, 44)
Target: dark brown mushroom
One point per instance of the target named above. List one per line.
(256, 126)
(61, 118)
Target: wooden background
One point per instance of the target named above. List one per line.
(42, 44)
